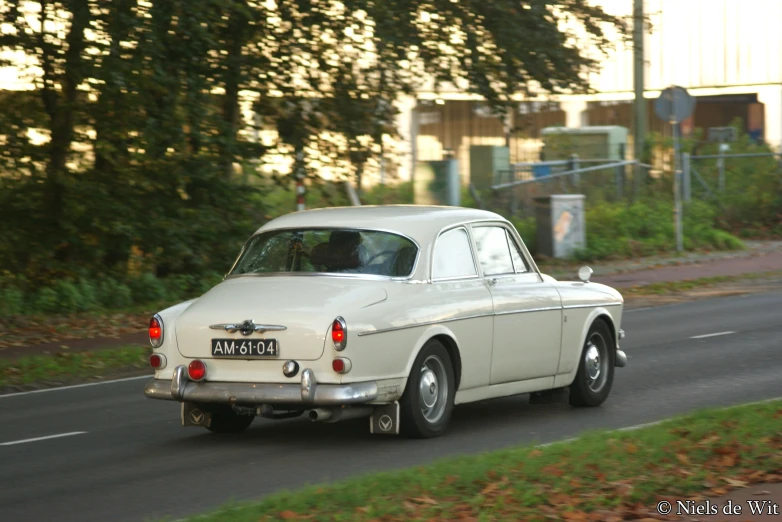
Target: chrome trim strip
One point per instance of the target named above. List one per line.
(542, 309)
(257, 328)
(263, 393)
(428, 323)
(366, 277)
(456, 279)
(568, 307)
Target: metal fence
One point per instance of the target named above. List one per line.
(743, 186)
(599, 179)
(707, 174)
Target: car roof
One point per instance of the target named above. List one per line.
(420, 222)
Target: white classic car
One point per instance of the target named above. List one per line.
(394, 313)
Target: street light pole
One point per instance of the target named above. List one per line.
(639, 103)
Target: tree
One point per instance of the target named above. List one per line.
(144, 105)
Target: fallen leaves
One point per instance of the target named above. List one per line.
(608, 482)
(735, 482)
(424, 500)
(683, 458)
(57, 329)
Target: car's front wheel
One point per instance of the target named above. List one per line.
(595, 374)
(225, 420)
(426, 405)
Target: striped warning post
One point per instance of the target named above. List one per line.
(300, 195)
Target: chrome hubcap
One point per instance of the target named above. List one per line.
(428, 388)
(596, 362)
(593, 362)
(433, 389)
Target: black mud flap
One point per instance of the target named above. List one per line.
(555, 396)
(385, 420)
(192, 415)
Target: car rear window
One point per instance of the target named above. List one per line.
(328, 250)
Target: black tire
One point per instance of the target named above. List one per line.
(586, 390)
(434, 360)
(225, 420)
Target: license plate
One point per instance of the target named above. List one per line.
(262, 348)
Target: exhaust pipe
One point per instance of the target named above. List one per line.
(340, 414)
(320, 414)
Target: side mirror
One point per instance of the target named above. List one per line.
(584, 273)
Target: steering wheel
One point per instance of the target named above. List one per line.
(380, 254)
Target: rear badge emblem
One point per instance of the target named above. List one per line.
(385, 422)
(196, 416)
(247, 327)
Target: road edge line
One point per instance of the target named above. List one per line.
(72, 386)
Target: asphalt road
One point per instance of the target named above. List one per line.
(134, 462)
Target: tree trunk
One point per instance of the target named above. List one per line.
(61, 109)
(235, 37)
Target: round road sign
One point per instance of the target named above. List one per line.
(674, 105)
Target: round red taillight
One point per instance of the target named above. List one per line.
(157, 361)
(156, 331)
(339, 333)
(341, 365)
(196, 370)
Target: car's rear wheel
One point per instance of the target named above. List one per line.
(426, 405)
(595, 374)
(225, 420)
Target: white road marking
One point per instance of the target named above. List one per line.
(704, 336)
(45, 390)
(36, 439)
(640, 309)
(563, 441)
(641, 426)
(656, 423)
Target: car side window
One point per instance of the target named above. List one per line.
(453, 256)
(493, 251)
(518, 260)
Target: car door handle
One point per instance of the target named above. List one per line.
(492, 281)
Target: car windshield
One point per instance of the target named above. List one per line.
(327, 250)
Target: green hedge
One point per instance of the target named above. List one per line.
(618, 230)
(85, 295)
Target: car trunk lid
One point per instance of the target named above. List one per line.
(305, 306)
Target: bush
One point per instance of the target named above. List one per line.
(70, 297)
(617, 230)
(89, 294)
(146, 288)
(11, 301)
(113, 294)
(47, 301)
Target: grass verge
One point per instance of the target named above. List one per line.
(669, 287)
(65, 367)
(606, 476)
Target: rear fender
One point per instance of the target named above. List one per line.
(423, 338)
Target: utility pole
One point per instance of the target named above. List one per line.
(639, 104)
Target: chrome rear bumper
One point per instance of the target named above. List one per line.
(621, 357)
(307, 393)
